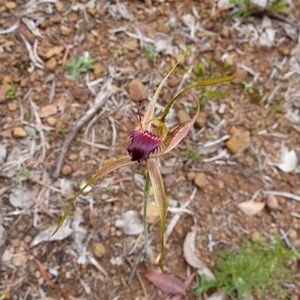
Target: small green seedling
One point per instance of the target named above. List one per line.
(256, 269)
(194, 155)
(80, 65)
(25, 174)
(150, 53)
(11, 92)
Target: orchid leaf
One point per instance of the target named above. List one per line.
(106, 169)
(175, 136)
(160, 199)
(150, 110)
(194, 85)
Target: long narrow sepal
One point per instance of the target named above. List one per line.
(194, 85)
(178, 134)
(106, 169)
(150, 110)
(160, 199)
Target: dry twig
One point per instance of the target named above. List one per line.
(104, 93)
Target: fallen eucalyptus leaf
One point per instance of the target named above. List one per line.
(20, 198)
(130, 223)
(45, 235)
(166, 283)
(251, 208)
(267, 36)
(190, 256)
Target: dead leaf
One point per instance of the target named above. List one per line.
(288, 161)
(167, 283)
(20, 198)
(130, 223)
(54, 51)
(186, 285)
(46, 234)
(190, 256)
(251, 208)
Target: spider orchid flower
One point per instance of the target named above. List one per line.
(149, 140)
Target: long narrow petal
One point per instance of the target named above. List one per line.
(175, 136)
(150, 109)
(106, 169)
(196, 84)
(160, 198)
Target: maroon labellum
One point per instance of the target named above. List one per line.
(143, 143)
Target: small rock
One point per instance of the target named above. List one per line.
(72, 17)
(20, 260)
(92, 11)
(251, 208)
(152, 214)
(66, 170)
(220, 184)
(52, 121)
(73, 156)
(99, 70)
(201, 180)
(54, 51)
(80, 95)
(10, 5)
(293, 234)
(239, 140)
(131, 44)
(59, 6)
(191, 176)
(241, 76)
(12, 106)
(272, 202)
(257, 237)
(3, 92)
(137, 90)
(19, 132)
(173, 81)
(225, 4)
(284, 51)
(48, 110)
(51, 64)
(201, 120)
(66, 31)
(7, 79)
(98, 250)
(183, 116)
